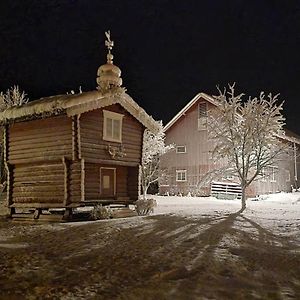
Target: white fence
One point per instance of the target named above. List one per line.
(226, 190)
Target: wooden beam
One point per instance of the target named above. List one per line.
(82, 180)
(37, 205)
(9, 172)
(37, 160)
(66, 181)
(75, 154)
(5, 143)
(111, 162)
(78, 136)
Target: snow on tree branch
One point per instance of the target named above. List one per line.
(12, 97)
(247, 133)
(153, 148)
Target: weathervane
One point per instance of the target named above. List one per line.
(109, 44)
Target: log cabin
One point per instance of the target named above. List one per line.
(191, 170)
(74, 150)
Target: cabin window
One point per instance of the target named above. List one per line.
(202, 116)
(112, 126)
(180, 175)
(181, 149)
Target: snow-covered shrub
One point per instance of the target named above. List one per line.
(100, 212)
(145, 206)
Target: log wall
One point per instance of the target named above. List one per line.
(75, 181)
(92, 182)
(43, 183)
(40, 140)
(92, 146)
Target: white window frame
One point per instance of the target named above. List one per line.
(206, 113)
(288, 175)
(263, 174)
(181, 172)
(114, 117)
(184, 146)
(274, 171)
(202, 119)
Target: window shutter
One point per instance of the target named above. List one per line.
(202, 116)
(202, 109)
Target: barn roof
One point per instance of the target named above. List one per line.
(74, 104)
(289, 135)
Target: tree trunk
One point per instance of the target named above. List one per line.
(243, 198)
(145, 193)
(145, 190)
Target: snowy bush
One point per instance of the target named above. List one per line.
(145, 206)
(100, 212)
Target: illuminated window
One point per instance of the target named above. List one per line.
(112, 126)
(180, 175)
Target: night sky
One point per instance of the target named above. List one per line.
(168, 51)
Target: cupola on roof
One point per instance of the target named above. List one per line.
(109, 75)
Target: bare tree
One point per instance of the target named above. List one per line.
(12, 97)
(153, 148)
(247, 134)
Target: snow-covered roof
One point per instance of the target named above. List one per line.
(73, 104)
(289, 136)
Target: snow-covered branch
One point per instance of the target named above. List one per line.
(153, 148)
(246, 133)
(12, 97)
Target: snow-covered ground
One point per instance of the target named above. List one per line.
(279, 213)
(188, 243)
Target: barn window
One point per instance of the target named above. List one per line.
(287, 175)
(263, 174)
(181, 149)
(269, 174)
(273, 173)
(180, 175)
(112, 126)
(202, 116)
(202, 110)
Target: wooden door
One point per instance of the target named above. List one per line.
(107, 182)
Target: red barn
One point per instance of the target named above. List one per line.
(186, 170)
